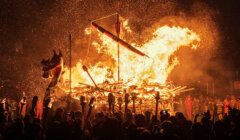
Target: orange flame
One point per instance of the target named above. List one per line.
(135, 69)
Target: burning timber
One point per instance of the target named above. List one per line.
(144, 71)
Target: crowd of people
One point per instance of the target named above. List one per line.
(218, 107)
(195, 118)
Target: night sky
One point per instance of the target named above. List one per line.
(31, 29)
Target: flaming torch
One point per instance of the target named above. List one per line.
(157, 97)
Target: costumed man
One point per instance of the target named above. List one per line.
(188, 107)
(166, 105)
(14, 109)
(23, 106)
(225, 106)
(219, 109)
(238, 104)
(195, 106)
(181, 106)
(232, 103)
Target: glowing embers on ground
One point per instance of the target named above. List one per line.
(134, 69)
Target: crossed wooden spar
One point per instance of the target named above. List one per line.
(117, 39)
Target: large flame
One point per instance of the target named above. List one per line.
(135, 69)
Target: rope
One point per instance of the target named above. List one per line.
(101, 18)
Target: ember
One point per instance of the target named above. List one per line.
(119, 69)
(146, 74)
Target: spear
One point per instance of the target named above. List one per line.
(83, 103)
(47, 107)
(90, 107)
(134, 97)
(120, 103)
(140, 104)
(126, 100)
(89, 112)
(157, 97)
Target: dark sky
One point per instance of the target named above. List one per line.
(229, 21)
(30, 29)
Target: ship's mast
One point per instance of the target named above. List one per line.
(117, 26)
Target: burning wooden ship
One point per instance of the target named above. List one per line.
(140, 74)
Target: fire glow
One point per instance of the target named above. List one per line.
(135, 69)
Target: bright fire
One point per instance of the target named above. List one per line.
(134, 69)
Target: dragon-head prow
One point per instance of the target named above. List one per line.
(52, 63)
